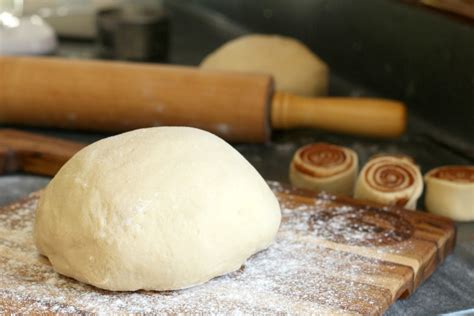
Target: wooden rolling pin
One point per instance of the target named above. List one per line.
(119, 96)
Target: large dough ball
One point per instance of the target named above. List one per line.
(160, 208)
(293, 66)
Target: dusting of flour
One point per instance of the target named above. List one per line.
(296, 274)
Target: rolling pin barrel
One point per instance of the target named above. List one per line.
(113, 96)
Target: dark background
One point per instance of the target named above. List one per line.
(408, 52)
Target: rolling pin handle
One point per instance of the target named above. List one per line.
(361, 116)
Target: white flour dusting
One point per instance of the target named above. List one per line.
(296, 274)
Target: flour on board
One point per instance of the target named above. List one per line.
(295, 274)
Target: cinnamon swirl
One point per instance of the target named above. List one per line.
(324, 167)
(390, 179)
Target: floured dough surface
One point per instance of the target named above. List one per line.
(295, 68)
(160, 208)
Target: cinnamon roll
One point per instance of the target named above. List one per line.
(390, 179)
(324, 167)
(450, 192)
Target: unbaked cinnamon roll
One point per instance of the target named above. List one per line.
(390, 179)
(450, 192)
(324, 167)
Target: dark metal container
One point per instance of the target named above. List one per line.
(136, 36)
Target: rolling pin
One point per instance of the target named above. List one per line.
(120, 96)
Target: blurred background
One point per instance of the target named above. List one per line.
(421, 52)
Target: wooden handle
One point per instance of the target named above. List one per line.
(27, 152)
(119, 96)
(362, 116)
(461, 7)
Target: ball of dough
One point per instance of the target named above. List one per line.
(293, 66)
(159, 209)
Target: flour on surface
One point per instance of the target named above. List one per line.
(295, 274)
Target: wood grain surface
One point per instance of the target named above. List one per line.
(464, 8)
(32, 153)
(332, 255)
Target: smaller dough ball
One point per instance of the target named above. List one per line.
(158, 209)
(295, 68)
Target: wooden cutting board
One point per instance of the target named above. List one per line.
(332, 255)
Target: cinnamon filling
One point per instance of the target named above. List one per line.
(455, 174)
(388, 176)
(323, 156)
